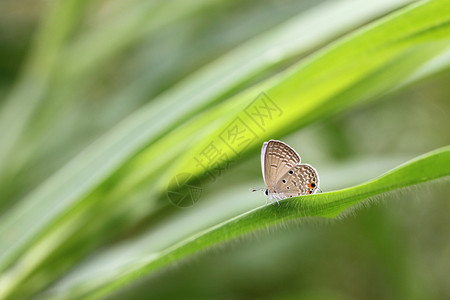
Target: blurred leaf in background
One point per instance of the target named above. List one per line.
(104, 103)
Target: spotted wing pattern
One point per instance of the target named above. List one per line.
(300, 180)
(278, 159)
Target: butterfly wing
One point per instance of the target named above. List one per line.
(263, 160)
(302, 179)
(277, 159)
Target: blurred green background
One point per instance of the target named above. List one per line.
(73, 71)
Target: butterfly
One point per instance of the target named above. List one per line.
(283, 173)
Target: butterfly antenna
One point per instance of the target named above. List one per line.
(319, 190)
(254, 190)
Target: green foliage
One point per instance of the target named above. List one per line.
(329, 205)
(86, 159)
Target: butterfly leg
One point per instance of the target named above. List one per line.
(270, 198)
(277, 197)
(274, 197)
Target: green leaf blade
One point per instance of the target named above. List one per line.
(430, 166)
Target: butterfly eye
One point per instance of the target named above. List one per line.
(266, 192)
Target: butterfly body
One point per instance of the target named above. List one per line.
(283, 173)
